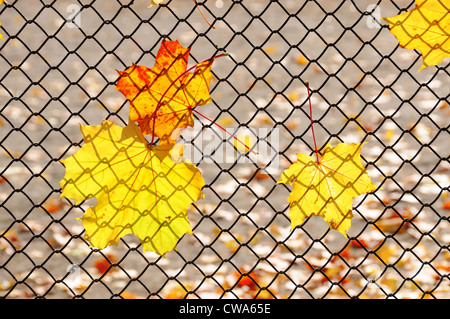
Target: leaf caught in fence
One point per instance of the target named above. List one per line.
(425, 28)
(1, 35)
(155, 2)
(162, 98)
(140, 190)
(326, 188)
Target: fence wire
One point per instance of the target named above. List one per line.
(58, 67)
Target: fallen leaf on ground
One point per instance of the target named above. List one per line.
(103, 265)
(248, 281)
(128, 295)
(446, 205)
(53, 205)
(301, 60)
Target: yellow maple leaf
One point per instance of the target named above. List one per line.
(140, 190)
(425, 28)
(1, 35)
(155, 2)
(327, 188)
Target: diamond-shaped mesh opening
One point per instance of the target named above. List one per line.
(58, 67)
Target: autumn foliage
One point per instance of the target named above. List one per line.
(145, 188)
(327, 187)
(140, 190)
(425, 28)
(162, 98)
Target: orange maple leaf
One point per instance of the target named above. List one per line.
(162, 98)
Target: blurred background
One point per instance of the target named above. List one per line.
(58, 63)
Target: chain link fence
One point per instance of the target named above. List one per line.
(57, 70)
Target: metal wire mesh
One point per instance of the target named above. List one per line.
(57, 70)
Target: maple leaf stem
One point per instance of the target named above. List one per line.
(311, 118)
(198, 8)
(223, 129)
(171, 84)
